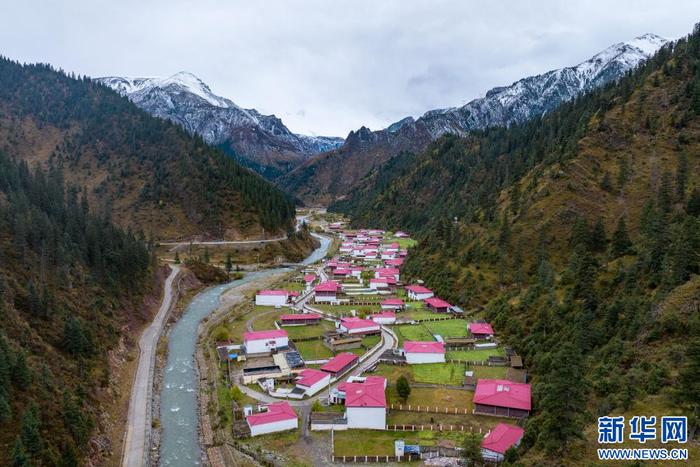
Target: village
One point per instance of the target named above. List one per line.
(390, 370)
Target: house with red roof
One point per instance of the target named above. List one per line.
(396, 262)
(365, 403)
(385, 317)
(418, 292)
(309, 279)
(256, 342)
(388, 272)
(279, 416)
(499, 440)
(272, 297)
(392, 304)
(311, 381)
(502, 398)
(340, 363)
(437, 305)
(379, 283)
(355, 325)
(480, 330)
(326, 291)
(417, 352)
(300, 319)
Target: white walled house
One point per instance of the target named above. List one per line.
(499, 440)
(424, 352)
(326, 292)
(312, 381)
(272, 298)
(358, 326)
(365, 403)
(265, 341)
(418, 292)
(385, 317)
(276, 417)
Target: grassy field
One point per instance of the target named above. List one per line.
(381, 443)
(440, 397)
(439, 373)
(475, 422)
(416, 332)
(474, 355)
(293, 286)
(313, 350)
(344, 310)
(266, 317)
(392, 372)
(311, 330)
(448, 328)
(489, 372)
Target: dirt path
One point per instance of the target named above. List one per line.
(138, 422)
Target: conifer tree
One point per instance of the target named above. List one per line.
(693, 207)
(621, 243)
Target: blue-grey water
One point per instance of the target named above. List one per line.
(178, 396)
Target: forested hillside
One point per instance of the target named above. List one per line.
(69, 282)
(578, 237)
(146, 173)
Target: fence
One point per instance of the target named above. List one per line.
(425, 408)
(376, 459)
(434, 427)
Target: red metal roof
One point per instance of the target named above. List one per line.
(309, 377)
(393, 301)
(423, 347)
(393, 262)
(275, 413)
(370, 393)
(357, 323)
(481, 328)
(298, 316)
(328, 286)
(339, 362)
(437, 302)
(273, 292)
(309, 277)
(503, 393)
(384, 314)
(419, 289)
(259, 335)
(502, 437)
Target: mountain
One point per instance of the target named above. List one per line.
(73, 289)
(332, 176)
(261, 142)
(577, 235)
(143, 172)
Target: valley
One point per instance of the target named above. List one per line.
(513, 280)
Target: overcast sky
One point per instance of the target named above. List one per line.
(328, 67)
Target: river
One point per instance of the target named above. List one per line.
(178, 397)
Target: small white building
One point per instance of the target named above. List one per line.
(424, 352)
(358, 326)
(499, 440)
(256, 342)
(279, 416)
(272, 297)
(311, 381)
(385, 317)
(418, 292)
(365, 403)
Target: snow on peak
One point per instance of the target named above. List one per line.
(194, 85)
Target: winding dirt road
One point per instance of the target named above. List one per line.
(139, 418)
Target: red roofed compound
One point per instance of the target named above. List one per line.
(311, 381)
(265, 341)
(424, 352)
(392, 304)
(359, 326)
(300, 319)
(502, 398)
(326, 291)
(437, 305)
(418, 292)
(365, 403)
(340, 363)
(309, 279)
(499, 440)
(279, 416)
(272, 297)
(481, 330)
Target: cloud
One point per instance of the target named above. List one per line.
(343, 63)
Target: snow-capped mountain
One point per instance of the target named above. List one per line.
(501, 106)
(262, 142)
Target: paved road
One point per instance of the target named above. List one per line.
(138, 423)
